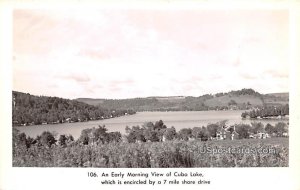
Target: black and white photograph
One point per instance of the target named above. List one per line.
(151, 94)
(151, 88)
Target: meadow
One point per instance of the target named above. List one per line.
(272, 152)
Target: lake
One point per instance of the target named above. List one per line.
(180, 119)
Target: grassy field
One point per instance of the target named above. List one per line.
(223, 100)
(157, 154)
(269, 141)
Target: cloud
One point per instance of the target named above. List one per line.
(249, 74)
(77, 77)
(122, 82)
(276, 74)
(134, 53)
(94, 54)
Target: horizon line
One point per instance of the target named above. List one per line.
(145, 96)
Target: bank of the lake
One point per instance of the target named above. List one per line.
(178, 119)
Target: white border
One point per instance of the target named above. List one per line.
(73, 178)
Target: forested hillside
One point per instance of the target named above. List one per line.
(268, 112)
(35, 110)
(240, 99)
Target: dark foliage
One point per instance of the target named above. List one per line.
(265, 112)
(35, 110)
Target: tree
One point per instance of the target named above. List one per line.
(149, 126)
(127, 130)
(47, 139)
(170, 133)
(70, 138)
(280, 128)
(15, 136)
(243, 130)
(159, 125)
(244, 115)
(269, 129)
(257, 127)
(140, 137)
(136, 133)
(84, 137)
(151, 135)
(30, 141)
(232, 103)
(22, 140)
(185, 134)
(62, 140)
(114, 137)
(286, 109)
(100, 135)
(212, 129)
(39, 109)
(205, 134)
(197, 132)
(131, 138)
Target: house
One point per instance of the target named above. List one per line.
(226, 134)
(261, 135)
(285, 134)
(222, 134)
(234, 135)
(251, 135)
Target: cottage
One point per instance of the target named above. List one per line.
(234, 135)
(261, 135)
(226, 134)
(221, 134)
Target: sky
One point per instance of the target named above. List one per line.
(118, 54)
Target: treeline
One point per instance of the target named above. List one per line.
(244, 91)
(35, 110)
(179, 103)
(267, 112)
(47, 139)
(158, 131)
(149, 132)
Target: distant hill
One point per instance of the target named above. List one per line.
(240, 99)
(276, 99)
(34, 110)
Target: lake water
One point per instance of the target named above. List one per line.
(177, 119)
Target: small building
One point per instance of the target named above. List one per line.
(222, 134)
(261, 135)
(234, 135)
(226, 134)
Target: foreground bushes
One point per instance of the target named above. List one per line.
(154, 154)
